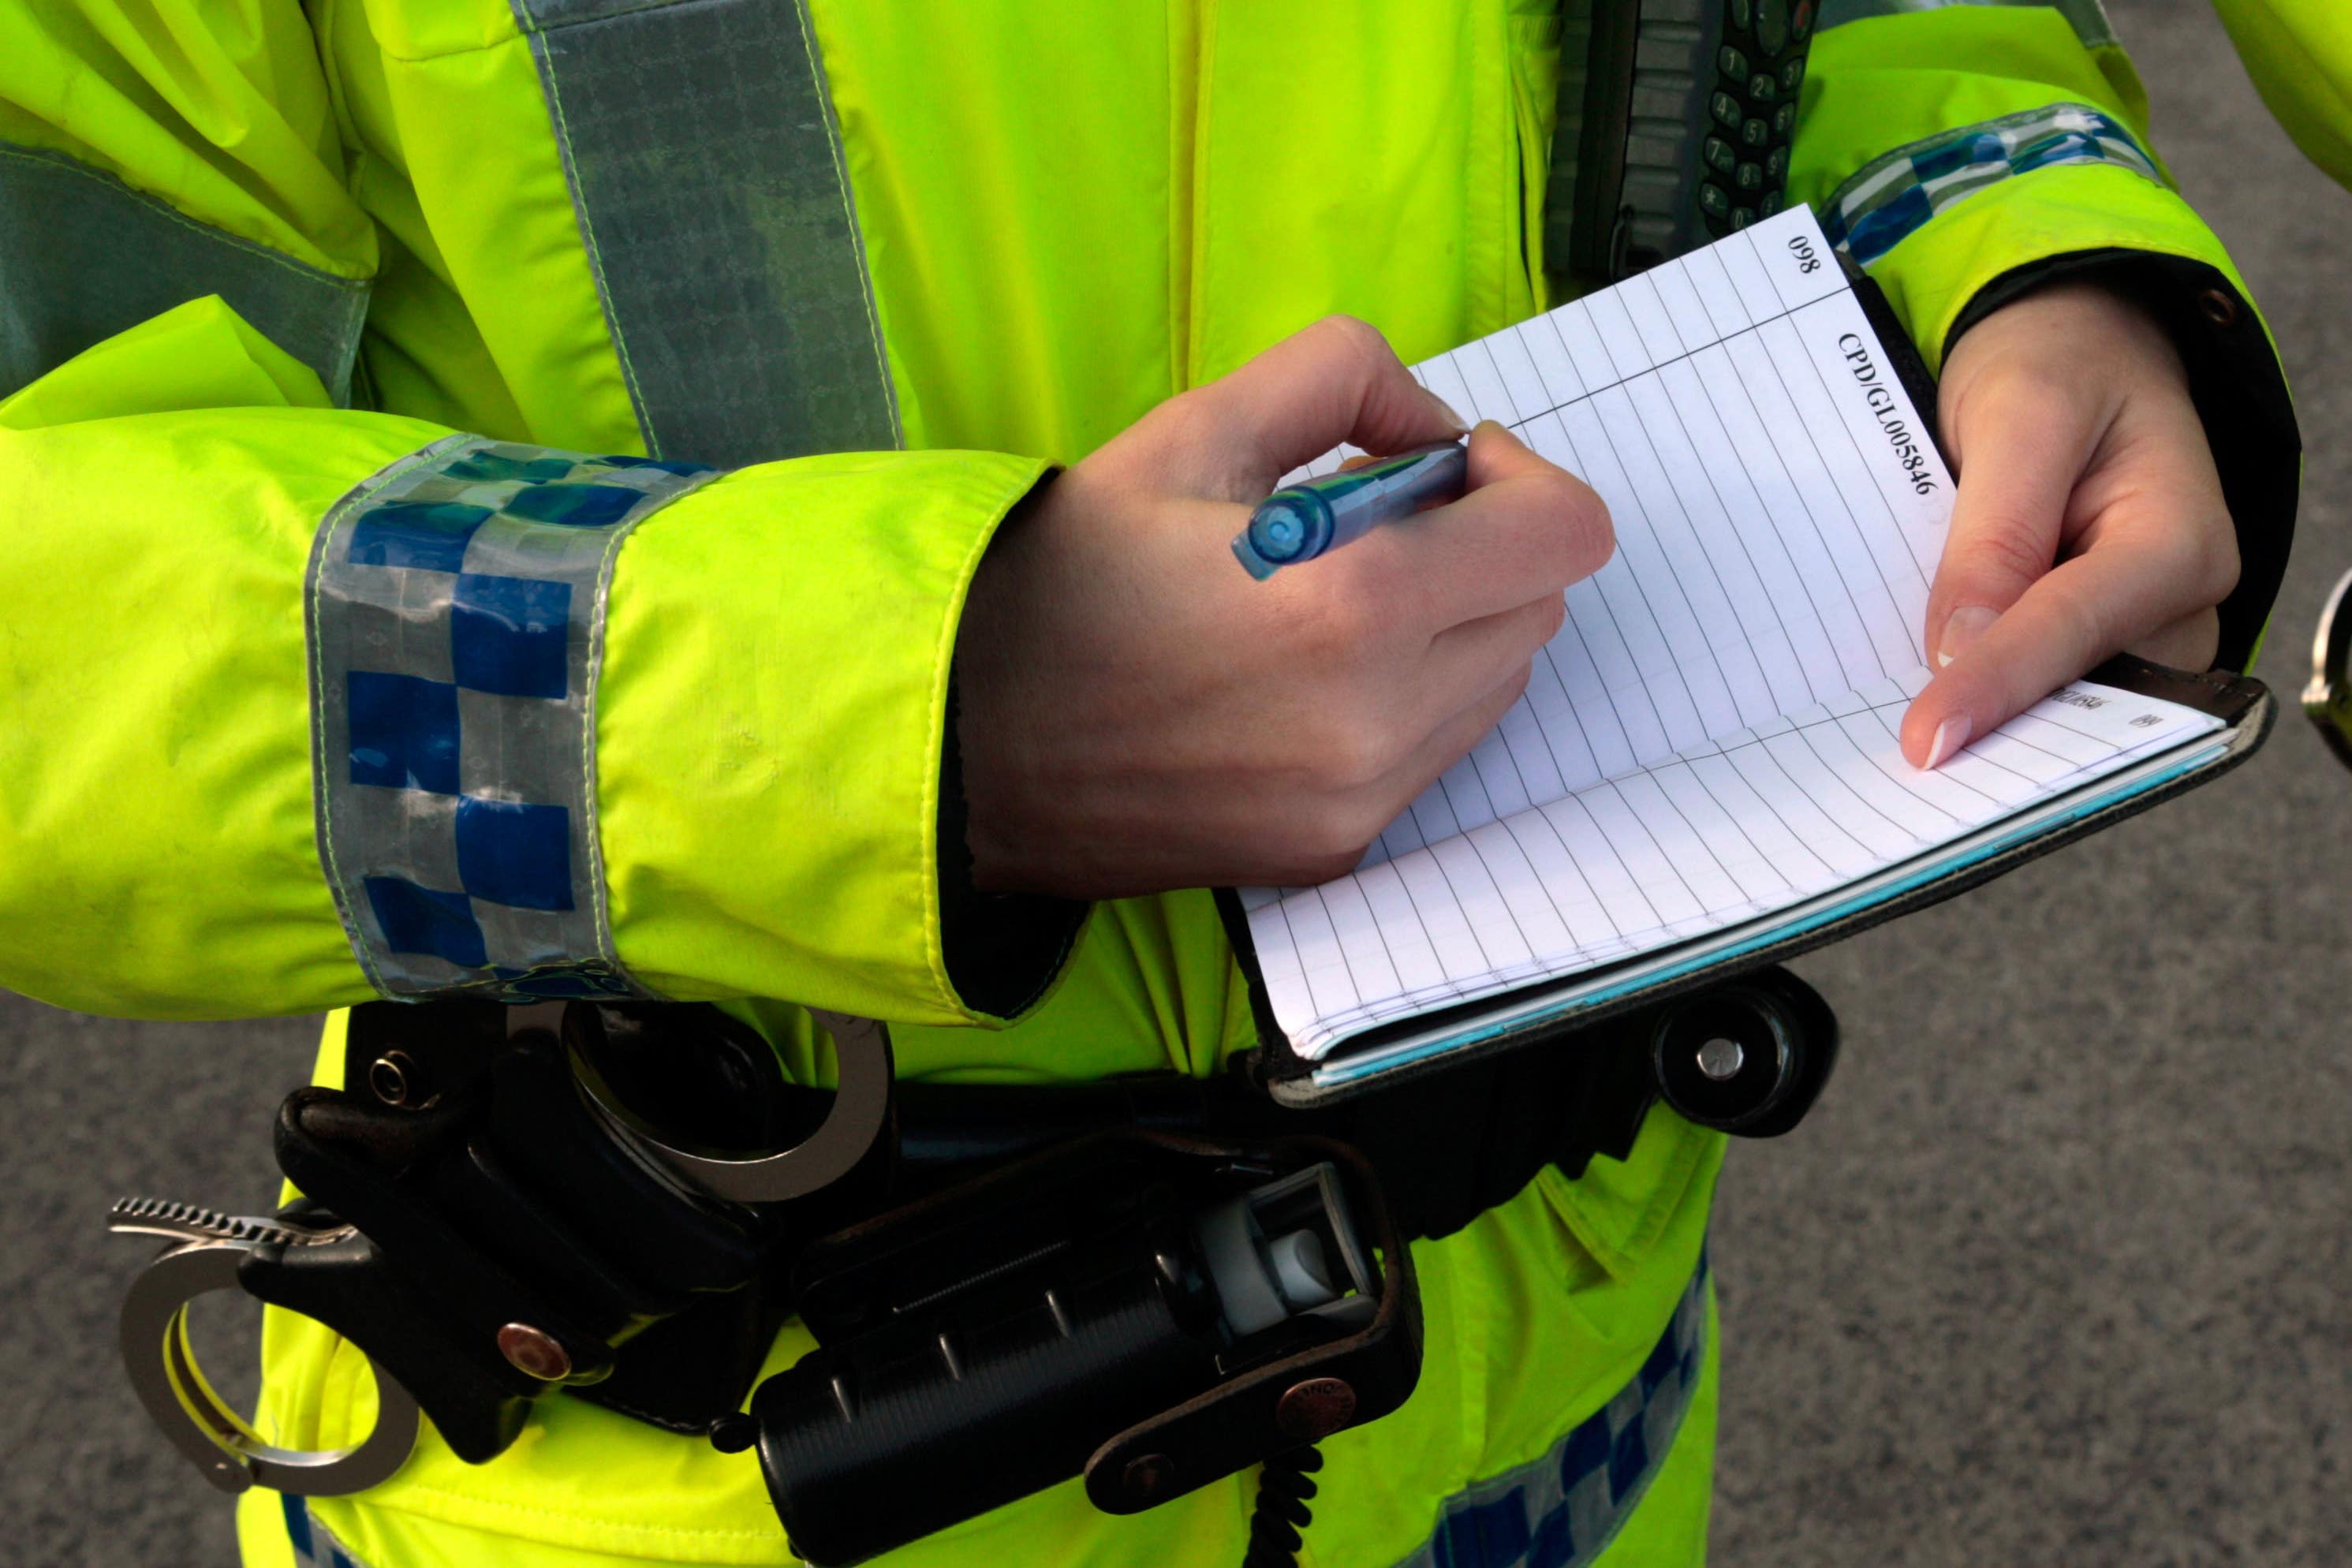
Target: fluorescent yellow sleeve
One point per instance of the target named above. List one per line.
(1885, 88)
(2300, 54)
(769, 732)
(768, 739)
(776, 675)
(156, 852)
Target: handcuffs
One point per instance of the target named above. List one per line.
(2328, 701)
(207, 1250)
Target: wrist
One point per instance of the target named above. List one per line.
(985, 708)
(1001, 949)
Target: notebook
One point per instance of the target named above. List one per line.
(1702, 775)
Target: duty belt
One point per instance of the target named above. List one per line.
(1154, 1281)
(1561, 1510)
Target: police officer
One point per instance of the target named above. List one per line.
(332, 670)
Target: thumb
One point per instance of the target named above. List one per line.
(1335, 382)
(1496, 454)
(2019, 457)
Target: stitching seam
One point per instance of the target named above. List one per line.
(592, 828)
(72, 165)
(544, 58)
(849, 214)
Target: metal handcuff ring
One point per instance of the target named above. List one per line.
(2328, 701)
(209, 1246)
(162, 1363)
(860, 1116)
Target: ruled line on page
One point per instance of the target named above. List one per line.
(1711, 733)
(1759, 566)
(1754, 822)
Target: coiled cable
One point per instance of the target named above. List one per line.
(1285, 1482)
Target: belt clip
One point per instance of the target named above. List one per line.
(205, 1252)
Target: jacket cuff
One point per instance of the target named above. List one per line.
(1003, 950)
(1957, 226)
(2240, 394)
(770, 739)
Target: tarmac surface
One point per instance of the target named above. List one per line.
(2055, 1274)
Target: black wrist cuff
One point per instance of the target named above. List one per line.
(1003, 950)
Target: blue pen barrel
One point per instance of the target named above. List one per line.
(1307, 519)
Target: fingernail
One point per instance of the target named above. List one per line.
(1461, 425)
(1950, 736)
(1961, 627)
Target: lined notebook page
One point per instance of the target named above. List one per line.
(1711, 736)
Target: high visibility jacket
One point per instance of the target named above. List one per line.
(2300, 55)
(273, 272)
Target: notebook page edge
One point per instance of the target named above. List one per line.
(1314, 1038)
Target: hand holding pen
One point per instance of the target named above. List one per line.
(1136, 714)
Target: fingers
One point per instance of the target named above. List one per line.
(1452, 739)
(1527, 530)
(2021, 450)
(1477, 656)
(1335, 842)
(2124, 486)
(2106, 599)
(1335, 382)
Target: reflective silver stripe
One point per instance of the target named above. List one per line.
(2089, 18)
(456, 616)
(314, 1545)
(1563, 1510)
(83, 257)
(1893, 196)
(706, 169)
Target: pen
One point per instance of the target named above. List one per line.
(1303, 520)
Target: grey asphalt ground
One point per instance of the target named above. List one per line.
(2055, 1274)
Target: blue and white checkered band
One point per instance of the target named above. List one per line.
(314, 1545)
(457, 620)
(1563, 1510)
(1895, 194)
(2088, 18)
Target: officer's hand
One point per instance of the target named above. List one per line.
(2089, 517)
(1139, 714)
